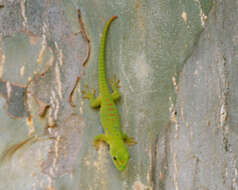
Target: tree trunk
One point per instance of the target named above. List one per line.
(177, 62)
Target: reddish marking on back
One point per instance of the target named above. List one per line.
(109, 104)
(110, 109)
(111, 114)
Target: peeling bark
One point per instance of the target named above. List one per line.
(177, 63)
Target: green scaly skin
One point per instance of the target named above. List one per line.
(109, 116)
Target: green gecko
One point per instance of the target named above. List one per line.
(109, 116)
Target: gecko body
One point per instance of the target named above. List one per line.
(109, 115)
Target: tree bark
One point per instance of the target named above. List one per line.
(177, 63)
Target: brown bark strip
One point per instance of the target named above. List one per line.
(1, 5)
(7, 154)
(72, 92)
(85, 35)
(43, 106)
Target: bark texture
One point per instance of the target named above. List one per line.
(177, 62)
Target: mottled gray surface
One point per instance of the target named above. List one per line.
(177, 62)
(201, 147)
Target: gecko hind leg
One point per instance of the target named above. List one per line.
(94, 102)
(128, 140)
(98, 140)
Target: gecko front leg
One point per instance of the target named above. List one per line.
(98, 140)
(128, 140)
(115, 86)
(94, 102)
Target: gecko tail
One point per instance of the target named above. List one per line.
(103, 85)
(113, 18)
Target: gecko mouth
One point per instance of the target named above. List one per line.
(122, 168)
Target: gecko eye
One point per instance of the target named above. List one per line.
(114, 158)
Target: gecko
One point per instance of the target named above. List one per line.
(109, 116)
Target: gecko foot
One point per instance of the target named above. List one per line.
(129, 140)
(98, 140)
(114, 83)
(88, 94)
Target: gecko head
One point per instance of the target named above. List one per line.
(120, 155)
